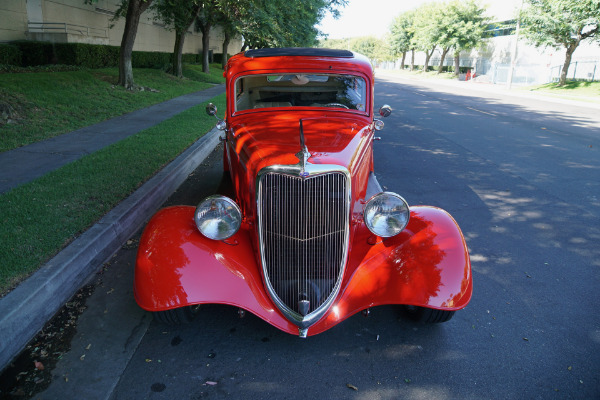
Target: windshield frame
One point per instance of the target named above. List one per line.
(237, 90)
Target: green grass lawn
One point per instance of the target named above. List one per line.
(43, 216)
(48, 104)
(574, 90)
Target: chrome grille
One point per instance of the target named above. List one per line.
(303, 231)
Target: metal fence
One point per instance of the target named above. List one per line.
(578, 70)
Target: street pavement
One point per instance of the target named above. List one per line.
(114, 295)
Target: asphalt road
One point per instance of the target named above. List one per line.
(521, 177)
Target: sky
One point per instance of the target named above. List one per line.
(374, 17)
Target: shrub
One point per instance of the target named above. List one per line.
(87, 55)
(10, 54)
(35, 53)
(28, 53)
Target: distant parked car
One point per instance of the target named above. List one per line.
(310, 238)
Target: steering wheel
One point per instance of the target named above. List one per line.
(337, 105)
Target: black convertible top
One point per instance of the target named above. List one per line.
(298, 51)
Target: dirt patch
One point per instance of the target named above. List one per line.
(31, 372)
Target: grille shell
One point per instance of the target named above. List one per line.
(303, 223)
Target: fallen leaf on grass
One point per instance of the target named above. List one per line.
(38, 365)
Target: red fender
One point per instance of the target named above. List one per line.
(426, 265)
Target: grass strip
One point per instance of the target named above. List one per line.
(48, 104)
(42, 217)
(573, 90)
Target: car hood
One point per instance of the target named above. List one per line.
(276, 139)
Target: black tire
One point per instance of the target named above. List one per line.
(176, 316)
(427, 315)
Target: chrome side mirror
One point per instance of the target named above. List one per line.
(385, 111)
(211, 109)
(378, 124)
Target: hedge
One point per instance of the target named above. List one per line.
(10, 54)
(29, 53)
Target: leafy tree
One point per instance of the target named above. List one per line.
(561, 24)
(401, 37)
(131, 10)
(369, 46)
(462, 27)
(281, 23)
(208, 15)
(426, 30)
(177, 15)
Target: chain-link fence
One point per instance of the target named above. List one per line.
(578, 71)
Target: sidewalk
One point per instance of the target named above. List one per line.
(26, 309)
(27, 163)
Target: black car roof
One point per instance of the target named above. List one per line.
(298, 51)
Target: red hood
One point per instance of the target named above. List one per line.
(274, 138)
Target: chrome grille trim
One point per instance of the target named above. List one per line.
(303, 225)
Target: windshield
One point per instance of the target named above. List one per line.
(300, 90)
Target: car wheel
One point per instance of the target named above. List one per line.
(427, 315)
(176, 316)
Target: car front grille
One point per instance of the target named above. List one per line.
(303, 223)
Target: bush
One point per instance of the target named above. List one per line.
(150, 59)
(10, 54)
(87, 55)
(35, 53)
(28, 53)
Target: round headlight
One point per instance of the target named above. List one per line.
(218, 217)
(386, 214)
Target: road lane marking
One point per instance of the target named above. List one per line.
(483, 112)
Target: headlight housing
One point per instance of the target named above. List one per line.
(218, 217)
(386, 214)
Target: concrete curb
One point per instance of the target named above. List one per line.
(25, 310)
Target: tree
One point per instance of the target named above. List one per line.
(206, 18)
(463, 25)
(561, 24)
(177, 15)
(281, 23)
(426, 30)
(132, 10)
(401, 36)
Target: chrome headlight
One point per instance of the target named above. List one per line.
(386, 214)
(218, 217)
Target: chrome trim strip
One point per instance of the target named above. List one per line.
(304, 171)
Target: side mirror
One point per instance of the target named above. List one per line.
(211, 109)
(385, 111)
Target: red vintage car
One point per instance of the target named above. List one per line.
(310, 238)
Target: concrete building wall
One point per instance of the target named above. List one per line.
(76, 21)
(13, 20)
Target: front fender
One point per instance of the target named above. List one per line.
(177, 266)
(426, 265)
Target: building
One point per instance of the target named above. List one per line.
(77, 21)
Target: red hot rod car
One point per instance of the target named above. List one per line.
(310, 238)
